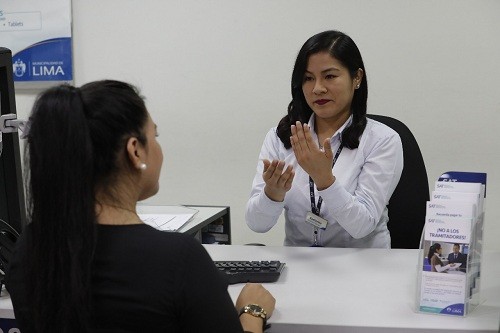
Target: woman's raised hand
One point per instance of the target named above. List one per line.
(278, 179)
(315, 161)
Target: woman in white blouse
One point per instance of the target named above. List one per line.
(326, 165)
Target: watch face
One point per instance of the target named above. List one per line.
(256, 310)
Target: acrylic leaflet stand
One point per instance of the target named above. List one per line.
(449, 267)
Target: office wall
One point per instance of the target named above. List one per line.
(216, 76)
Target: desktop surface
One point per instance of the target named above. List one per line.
(352, 290)
(358, 290)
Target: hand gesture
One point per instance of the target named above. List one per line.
(316, 162)
(278, 182)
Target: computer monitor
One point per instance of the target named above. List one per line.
(12, 204)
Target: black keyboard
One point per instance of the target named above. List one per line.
(250, 271)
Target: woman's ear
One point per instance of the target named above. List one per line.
(358, 77)
(135, 153)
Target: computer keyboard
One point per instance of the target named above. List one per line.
(250, 271)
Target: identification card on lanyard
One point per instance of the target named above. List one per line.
(316, 221)
(313, 216)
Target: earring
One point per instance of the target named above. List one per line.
(143, 166)
(357, 87)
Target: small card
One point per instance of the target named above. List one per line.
(316, 220)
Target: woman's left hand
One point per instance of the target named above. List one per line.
(316, 162)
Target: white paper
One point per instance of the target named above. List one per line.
(448, 229)
(459, 187)
(166, 222)
(474, 198)
(450, 208)
(443, 293)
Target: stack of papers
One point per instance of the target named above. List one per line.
(166, 218)
(453, 232)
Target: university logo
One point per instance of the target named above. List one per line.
(19, 68)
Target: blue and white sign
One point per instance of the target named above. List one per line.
(39, 35)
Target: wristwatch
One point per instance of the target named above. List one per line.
(256, 311)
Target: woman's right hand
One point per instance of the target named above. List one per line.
(278, 181)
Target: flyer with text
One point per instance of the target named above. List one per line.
(452, 238)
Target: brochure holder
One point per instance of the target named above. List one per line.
(449, 266)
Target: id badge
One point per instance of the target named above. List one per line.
(316, 220)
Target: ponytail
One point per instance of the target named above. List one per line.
(61, 211)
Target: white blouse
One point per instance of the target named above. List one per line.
(355, 206)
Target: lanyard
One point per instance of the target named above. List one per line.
(316, 208)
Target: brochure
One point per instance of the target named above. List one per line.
(449, 277)
(449, 208)
(475, 198)
(448, 229)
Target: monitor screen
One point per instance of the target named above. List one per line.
(12, 205)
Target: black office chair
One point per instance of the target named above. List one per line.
(8, 237)
(407, 204)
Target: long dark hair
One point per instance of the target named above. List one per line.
(433, 249)
(76, 136)
(341, 47)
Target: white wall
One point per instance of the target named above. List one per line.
(216, 75)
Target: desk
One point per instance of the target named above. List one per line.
(359, 290)
(207, 217)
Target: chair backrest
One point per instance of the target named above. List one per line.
(407, 204)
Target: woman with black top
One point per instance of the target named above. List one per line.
(86, 262)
